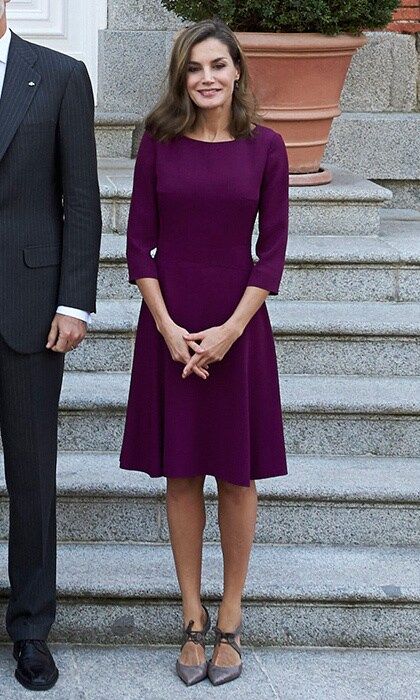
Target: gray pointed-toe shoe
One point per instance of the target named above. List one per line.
(224, 674)
(193, 674)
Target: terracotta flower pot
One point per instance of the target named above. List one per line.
(298, 79)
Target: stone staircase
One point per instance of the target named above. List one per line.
(333, 594)
(117, 134)
(336, 560)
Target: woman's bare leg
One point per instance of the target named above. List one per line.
(237, 518)
(186, 520)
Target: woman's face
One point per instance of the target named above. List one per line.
(211, 75)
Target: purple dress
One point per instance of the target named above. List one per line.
(196, 202)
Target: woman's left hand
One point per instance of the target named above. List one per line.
(215, 342)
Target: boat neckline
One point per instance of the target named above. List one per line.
(213, 143)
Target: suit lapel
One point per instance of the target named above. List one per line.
(20, 85)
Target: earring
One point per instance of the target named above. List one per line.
(236, 84)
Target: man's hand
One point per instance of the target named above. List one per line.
(66, 333)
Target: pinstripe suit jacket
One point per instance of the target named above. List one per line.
(50, 220)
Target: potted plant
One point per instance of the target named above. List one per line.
(298, 52)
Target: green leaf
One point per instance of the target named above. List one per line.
(324, 16)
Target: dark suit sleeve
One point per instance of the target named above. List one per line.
(273, 219)
(79, 180)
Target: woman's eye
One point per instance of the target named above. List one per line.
(194, 69)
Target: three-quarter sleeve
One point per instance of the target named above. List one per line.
(273, 219)
(143, 220)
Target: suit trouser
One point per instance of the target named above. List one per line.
(30, 386)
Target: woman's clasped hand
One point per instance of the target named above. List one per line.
(215, 343)
(179, 348)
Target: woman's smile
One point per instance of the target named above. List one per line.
(209, 92)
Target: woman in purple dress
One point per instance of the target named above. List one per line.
(204, 396)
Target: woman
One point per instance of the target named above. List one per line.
(203, 171)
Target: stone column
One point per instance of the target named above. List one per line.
(133, 55)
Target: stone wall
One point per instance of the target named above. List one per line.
(383, 75)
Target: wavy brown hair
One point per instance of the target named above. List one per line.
(175, 112)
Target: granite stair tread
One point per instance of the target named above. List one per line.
(398, 242)
(123, 119)
(298, 673)
(311, 477)
(346, 187)
(363, 574)
(300, 393)
(290, 316)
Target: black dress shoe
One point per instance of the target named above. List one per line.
(36, 669)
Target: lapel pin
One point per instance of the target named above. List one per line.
(32, 84)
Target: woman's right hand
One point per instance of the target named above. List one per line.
(179, 348)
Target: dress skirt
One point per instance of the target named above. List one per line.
(230, 425)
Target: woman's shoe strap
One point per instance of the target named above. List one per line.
(229, 638)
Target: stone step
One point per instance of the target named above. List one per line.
(133, 672)
(295, 595)
(321, 267)
(395, 168)
(311, 337)
(329, 268)
(116, 134)
(329, 415)
(322, 500)
(349, 205)
(148, 672)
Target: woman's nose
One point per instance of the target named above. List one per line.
(208, 76)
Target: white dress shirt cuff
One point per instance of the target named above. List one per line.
(76, 313)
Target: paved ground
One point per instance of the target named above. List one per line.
(137, 673)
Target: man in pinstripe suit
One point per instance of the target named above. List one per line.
(50, 227)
